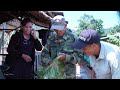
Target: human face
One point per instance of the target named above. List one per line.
(60, 32)
(27, 28)
(88, 50)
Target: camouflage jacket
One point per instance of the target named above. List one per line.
(56, 44)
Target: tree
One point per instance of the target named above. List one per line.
(87, 21)
(114, 29)
(117, 28)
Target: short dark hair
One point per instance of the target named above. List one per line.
(98, 43)
(25, 21)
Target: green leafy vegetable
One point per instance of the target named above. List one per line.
(56, 70)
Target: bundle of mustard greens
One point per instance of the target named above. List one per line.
(56, 70)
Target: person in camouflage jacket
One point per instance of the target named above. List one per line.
(59, 44)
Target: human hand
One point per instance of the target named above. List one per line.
(33, 33)
(27, 58)
(61, 57)
(50, 62)
(93, 74)
(82, 63)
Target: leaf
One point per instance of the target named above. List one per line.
(53, 71)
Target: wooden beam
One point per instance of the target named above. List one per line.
(57, 13)
(39, 17)
(50, 14)
(46, 25)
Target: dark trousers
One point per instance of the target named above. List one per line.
(22, 70)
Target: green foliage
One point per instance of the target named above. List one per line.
(53, 71)
(114, 40)
(87, 21)
(77, 32)
(114, 29)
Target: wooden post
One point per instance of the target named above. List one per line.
(3, 31)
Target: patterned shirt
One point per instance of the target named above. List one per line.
(55, 45)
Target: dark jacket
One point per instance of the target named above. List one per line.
(14, 50)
